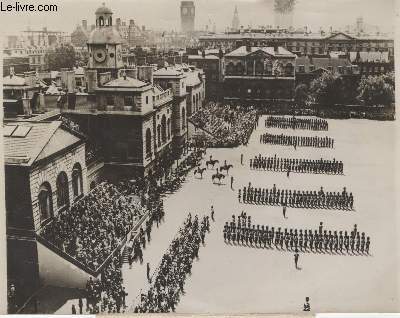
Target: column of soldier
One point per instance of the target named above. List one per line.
(297, 141)
(297, 198)
(167, 282)
(240, 231)
(296, 165)
(296, 123)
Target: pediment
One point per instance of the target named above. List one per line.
(340, 36)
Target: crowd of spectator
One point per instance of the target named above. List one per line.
(229, 126)
(94, 226)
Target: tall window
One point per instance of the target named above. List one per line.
(110, 100)
(169, 128)
(45, 199)
(77, 182)
(163, 129)
(128, 101)
(159, 135)
(62, 190)
(148, 142)
(183, 118)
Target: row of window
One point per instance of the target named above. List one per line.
(128, 100)
(259, 69)
(45, 196)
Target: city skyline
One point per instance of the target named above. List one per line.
(165, 15)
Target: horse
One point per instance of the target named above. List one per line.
(218, 176)
(199, 171)
(211, 162)
(226, 167)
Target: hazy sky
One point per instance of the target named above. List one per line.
(164, 14)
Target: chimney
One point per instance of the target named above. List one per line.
(91, 78)
(305, 29)
(331, 30)
(84, 24)
(276, 48)
(145, 73)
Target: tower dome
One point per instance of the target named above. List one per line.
(103, 10)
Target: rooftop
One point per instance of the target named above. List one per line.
(29, 141)
(126, 81)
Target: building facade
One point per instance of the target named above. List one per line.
(259, 74)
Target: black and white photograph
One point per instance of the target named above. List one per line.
(199, 157)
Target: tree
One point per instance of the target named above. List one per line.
(62, 57)
(326, 89)
(377, 90)
(301, 95)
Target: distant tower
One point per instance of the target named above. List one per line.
(235, 20)
(360, 25)
(187, 16)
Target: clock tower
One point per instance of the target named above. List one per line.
(104, 44)
(187, 16)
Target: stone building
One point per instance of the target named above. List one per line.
(45, 172)
(213, 65)
(257, 74)
(304, 43)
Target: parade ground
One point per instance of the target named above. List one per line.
(231, 279)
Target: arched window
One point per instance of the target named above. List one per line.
(169, 128)
(62, 189)
(259, 68)
(148, 142)
(239, 68)
(101, 21)
(77, 182)
(163, 129)
(183, 118)
(230, 69)
(268, 68)
(289, 69)
(45, 199)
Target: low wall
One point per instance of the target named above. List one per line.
(57, 271)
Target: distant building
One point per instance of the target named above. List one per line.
(372, 63)
(212, 63)
(80, 35)
(236, 20)
(187, 16)
(258, 74)
(303, 43)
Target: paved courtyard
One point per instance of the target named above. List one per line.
(237, 279)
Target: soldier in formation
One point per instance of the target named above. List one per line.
(297, 141)
(296, 123)
(241, 231)
(296, 198)
(296, 165)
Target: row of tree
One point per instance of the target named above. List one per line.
(331, 89)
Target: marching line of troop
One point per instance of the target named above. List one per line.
(297, 198)
(297, 141)
(296, 165)
(167, 282)
(296, 123)
(241, 231)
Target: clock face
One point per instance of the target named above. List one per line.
(184, 10)
(100, 55)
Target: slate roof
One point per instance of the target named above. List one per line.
(42, 140)
(125, 82)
